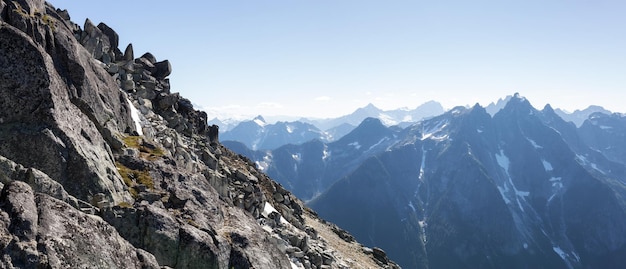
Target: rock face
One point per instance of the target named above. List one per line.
(101, 166)
(39, 231)
(49, 96)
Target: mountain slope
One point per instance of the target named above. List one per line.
(101, 166)
(607, 134)
(310, 168)
(483, 192)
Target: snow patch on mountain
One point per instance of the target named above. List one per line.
(423, 164)
(325, 153)
(265, 163)
(134, 114)
(532, 142)
(431, 131)
(356, 145)
(260, 122)
(378, 143)
(557, 186)
(504, 163)
(547, 166)
(563, 256)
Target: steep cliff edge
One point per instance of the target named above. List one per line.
(103, 167)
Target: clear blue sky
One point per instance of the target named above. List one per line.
(327, 57)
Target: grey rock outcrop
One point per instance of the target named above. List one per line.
(38, 231)
(103, 167)
(65, 106)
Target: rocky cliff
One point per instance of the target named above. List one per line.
(102, 166)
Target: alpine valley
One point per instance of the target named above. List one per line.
(506, 186)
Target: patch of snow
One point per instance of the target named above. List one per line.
(585, 162)
(553, 179)
(547, 165)
(378, 143)
(480, 131)
(423, 165)
(525, 245)
(356, 145)
(134, 114)
(561, 253)
(260, 122)
(430, 131)
(503, 192)
(297, 157)
(504, 162)
(605, 127)
(411, 206)
(265, 163)
(387, 120)
(268, 209)
(557, 185)
(325, 153)
(581, 159)
(407, 118)
(532, 142)
(289, 128)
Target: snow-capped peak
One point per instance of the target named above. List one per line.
(260, 121)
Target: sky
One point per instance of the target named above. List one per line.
(326, 58)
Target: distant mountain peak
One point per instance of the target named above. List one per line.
(494, 107)
(371, 122)
(368, 108)
(548, 109)
(518, 103)
(259, 120)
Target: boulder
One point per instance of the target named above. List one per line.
(96, 42)
(114, 39)
(163, 69)
(148, 56)
(18, 200)
(129, 55)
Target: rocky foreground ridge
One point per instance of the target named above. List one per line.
(101, 166)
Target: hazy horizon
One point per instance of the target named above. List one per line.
(327, 58)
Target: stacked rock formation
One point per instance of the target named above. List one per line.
(101, 166)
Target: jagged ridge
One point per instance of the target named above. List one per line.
(155, 186)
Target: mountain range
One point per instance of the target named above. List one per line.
(519, 188)
(257, 133)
